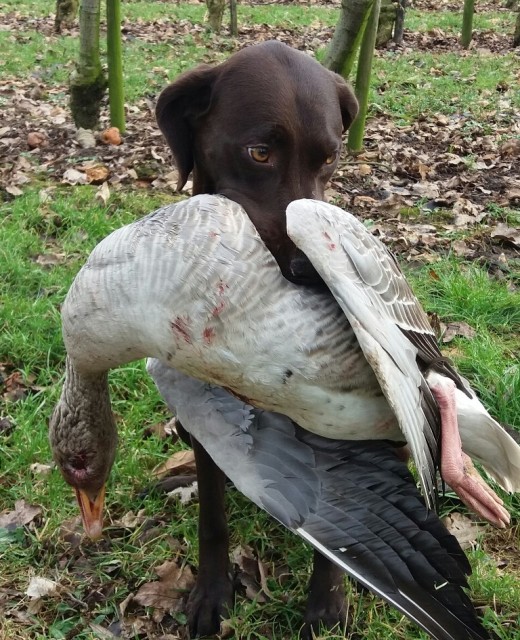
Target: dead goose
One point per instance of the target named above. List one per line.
(193, 286)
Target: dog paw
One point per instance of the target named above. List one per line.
(209, 603)
(328, 613)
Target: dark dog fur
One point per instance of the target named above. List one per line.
(263, 128)
(267, 100)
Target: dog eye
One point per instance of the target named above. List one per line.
(330, 159)
(259, 154)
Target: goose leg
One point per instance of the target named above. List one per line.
(457, 469)
(326, 606)
(213, 594)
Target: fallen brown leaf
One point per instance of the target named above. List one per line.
(40, 587)
(163, 430)
(461, 249)
(97, 174)
(464, 529)
(132, 520)
(436, 323)
(168, 592)
(103, 193)
(510, 147)
(16, 386)
(248, 574)
(13, 190)
(23, 514)
(467, 213)
(180, 462)
(41, 470)
(185, 494)
(6, 426)
(73, 177)
(454, 329)
(50, 259)
(507, 234)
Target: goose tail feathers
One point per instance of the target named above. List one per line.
(488, 442)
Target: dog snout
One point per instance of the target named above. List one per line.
(302, 271)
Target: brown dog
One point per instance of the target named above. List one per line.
(263, 128)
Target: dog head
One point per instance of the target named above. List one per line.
(263, 128)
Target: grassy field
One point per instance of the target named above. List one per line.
(48, 229)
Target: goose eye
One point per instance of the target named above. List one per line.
(259, 154)
(330, 159)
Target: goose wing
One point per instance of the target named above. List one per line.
(355, 501)
(390, 324)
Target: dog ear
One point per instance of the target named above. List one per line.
(177, 108)
(347, 102)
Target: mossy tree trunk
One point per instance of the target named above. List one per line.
(364, 72)
(467, 23)
(399, 21)
(66, 12)
(88, 83)
(233, 21)
(215, 13)
(115, 65)
(349, 30)
(386, 24)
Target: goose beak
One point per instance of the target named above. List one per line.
(91, 508)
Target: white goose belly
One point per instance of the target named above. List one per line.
(314, 372)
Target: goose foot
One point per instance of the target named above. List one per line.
(457, 469)
(209, 603)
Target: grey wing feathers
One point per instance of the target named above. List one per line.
(354, 501)
(373, 294)
(371, 521)
(228, 429)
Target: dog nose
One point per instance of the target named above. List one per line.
(302, 271)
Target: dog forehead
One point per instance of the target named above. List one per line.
(273, 88)
(261, 70)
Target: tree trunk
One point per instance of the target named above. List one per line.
(115, 65)
(215, 13)
(364, 71)
(516, 36)
(233, 17)
(349, 30)
(87, 84)
(66, 12)
(467, 23)
(399, 21)
(385, 27)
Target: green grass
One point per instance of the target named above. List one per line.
(70, 224)
(451, 21)
(460, 292)
(407, 89)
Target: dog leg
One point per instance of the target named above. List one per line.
(326, 605)
(213, 594)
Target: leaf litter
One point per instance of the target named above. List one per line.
(430, 183)
(23, 514)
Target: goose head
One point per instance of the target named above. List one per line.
(83, 439)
